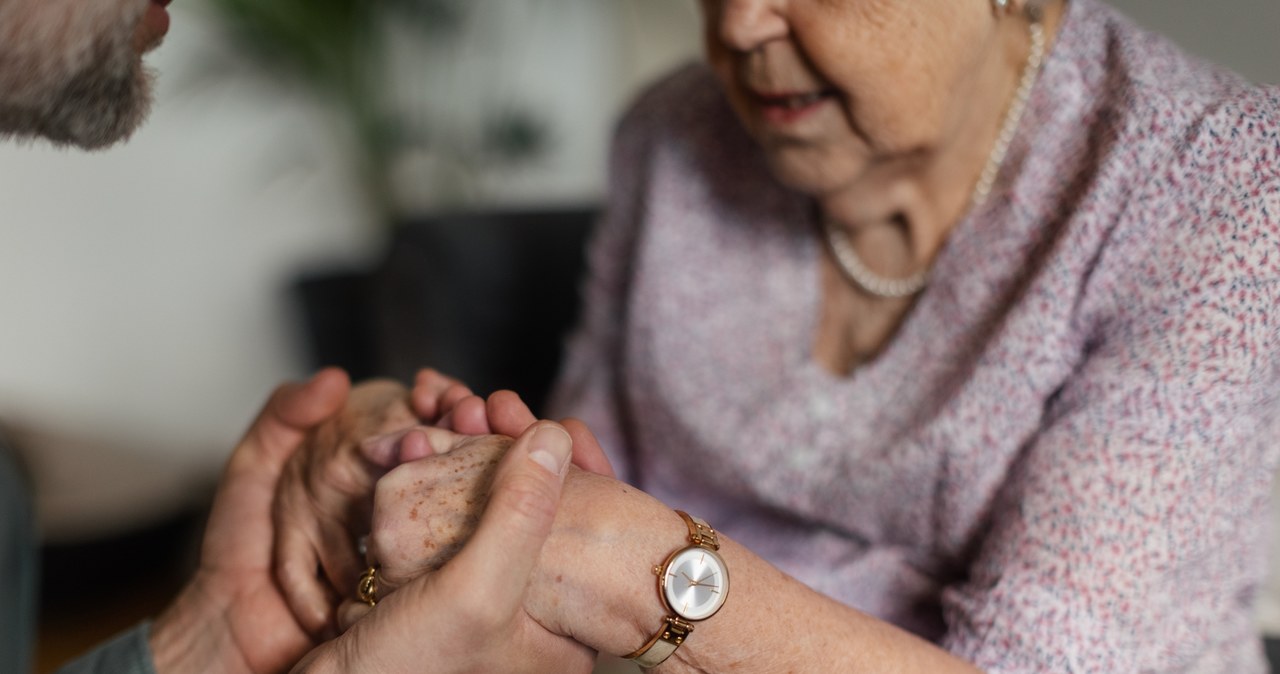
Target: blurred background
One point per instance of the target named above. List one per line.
(323, 182)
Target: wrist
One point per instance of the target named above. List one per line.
(192, 634)
(595, 581)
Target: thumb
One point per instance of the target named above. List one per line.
(292, 411)
(515, 524)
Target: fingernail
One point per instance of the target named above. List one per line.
(551, 448)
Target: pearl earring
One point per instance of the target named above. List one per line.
(1001, 6)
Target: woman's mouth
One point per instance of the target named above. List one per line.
(784, 108)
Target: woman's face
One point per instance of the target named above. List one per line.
(829, 88)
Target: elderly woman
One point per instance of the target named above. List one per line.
(954, 318)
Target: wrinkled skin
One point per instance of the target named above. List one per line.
(324, 500)
(325, 497)
(461, 608)
(426, 509)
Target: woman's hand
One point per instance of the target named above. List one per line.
(436, 396)
(468, 615)
(324, 498)
(426, 510)
(439, 399)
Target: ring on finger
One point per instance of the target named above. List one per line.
(367, 588)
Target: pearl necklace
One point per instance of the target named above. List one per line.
(838, 238)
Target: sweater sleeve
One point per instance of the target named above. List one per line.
(1130, 532)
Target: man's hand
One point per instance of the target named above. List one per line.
(467, 616)
(231, 617)
(324, 499)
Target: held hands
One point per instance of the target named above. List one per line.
(233, 615)
(463, 614)
(324, 499)
(325, 495)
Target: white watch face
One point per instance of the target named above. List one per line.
(696, 583)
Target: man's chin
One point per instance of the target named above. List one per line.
(77, 78)
(94, 112)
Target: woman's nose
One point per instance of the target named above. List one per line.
(746, 25)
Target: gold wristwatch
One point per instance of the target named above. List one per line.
(692, 585)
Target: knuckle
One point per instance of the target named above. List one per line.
(340, 474)
(481, 614)
(529, 501)
(293, 574)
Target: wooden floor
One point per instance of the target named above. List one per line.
(119, 583)
(94, 590)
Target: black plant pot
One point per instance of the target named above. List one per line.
(337, 319)
(486, 297)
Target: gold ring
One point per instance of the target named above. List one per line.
(367, 588)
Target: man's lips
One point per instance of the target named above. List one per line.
(153, 27)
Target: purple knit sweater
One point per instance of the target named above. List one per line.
(1062, 461)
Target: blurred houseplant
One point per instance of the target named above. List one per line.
(351, 55)
(362, 59)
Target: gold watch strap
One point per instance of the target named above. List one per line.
(700, 533)
(663, 644)
(674, 630)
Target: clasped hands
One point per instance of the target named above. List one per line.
(411, 474)
(460, 494)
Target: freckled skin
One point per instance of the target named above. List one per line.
(425, 510)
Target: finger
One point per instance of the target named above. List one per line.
(517, 521)
(384, 449)
(450, 398)
(338, 557)
(470, 417)
(409, 444)
(508, 414)
(291, 411)
(350, 613)
(306, 593)
(420, 442)
(587, 452)
(428, 386)
(415, 445)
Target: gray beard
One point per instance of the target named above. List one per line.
(90, 101)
